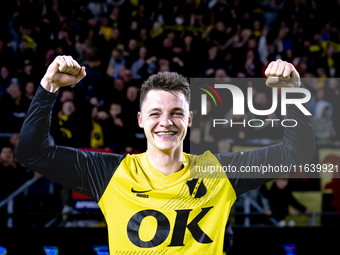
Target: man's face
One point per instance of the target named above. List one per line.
(4, 72)
(30, 87)
(132, 93)
(6, 155)
(68, 108)
(142, 52)
(281, 183)
(14, 91)
(115, 109)
(165, 118)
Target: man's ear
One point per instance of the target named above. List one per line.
(140, 120)
(191, 115)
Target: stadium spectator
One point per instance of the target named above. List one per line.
(126, 75)
(209, 65)
(142, 67)
(14, 106)
(117, 62)
(4, 80)
(280, 197)
(177, 64)
(14, 140)
(16, 175)
(163, 65)
(219, 34)
(97, 135)
(29, 90)
(113, 124)
(252, 66)
(323, 122)
(196, 145)
(132, 53)
(332, 95)
(26, 73)
(93, 84)
(191, 54)
(130, 107)
(67, 128)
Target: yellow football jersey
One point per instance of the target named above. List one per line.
(148, 212)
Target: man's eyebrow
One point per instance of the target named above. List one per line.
(155, 109)
(159, 109)
(178, 109)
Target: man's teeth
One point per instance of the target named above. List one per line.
(166, 133)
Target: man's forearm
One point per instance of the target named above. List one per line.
(49, 85)
(299, 141)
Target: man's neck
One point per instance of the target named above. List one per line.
(166, 162)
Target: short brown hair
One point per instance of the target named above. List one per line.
(168, 81)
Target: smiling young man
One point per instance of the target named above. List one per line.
(165, 118)
(152, 202)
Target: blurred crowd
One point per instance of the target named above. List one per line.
(122, 42)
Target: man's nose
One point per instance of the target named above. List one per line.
(166, 120)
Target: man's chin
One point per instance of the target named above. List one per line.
(167, 148)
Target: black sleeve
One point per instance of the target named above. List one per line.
(297, 147)
(85, 172)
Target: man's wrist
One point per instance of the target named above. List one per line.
(49, 85)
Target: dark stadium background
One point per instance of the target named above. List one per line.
(121, 43)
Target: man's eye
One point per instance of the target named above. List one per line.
(178, 113)
(154, 114)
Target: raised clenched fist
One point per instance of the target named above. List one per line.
(282, 74)
(63, 71)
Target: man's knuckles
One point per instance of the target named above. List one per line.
(66, 63)
(279, 69)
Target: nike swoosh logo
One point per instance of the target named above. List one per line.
(135, 191)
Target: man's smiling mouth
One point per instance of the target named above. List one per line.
(166, 133)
